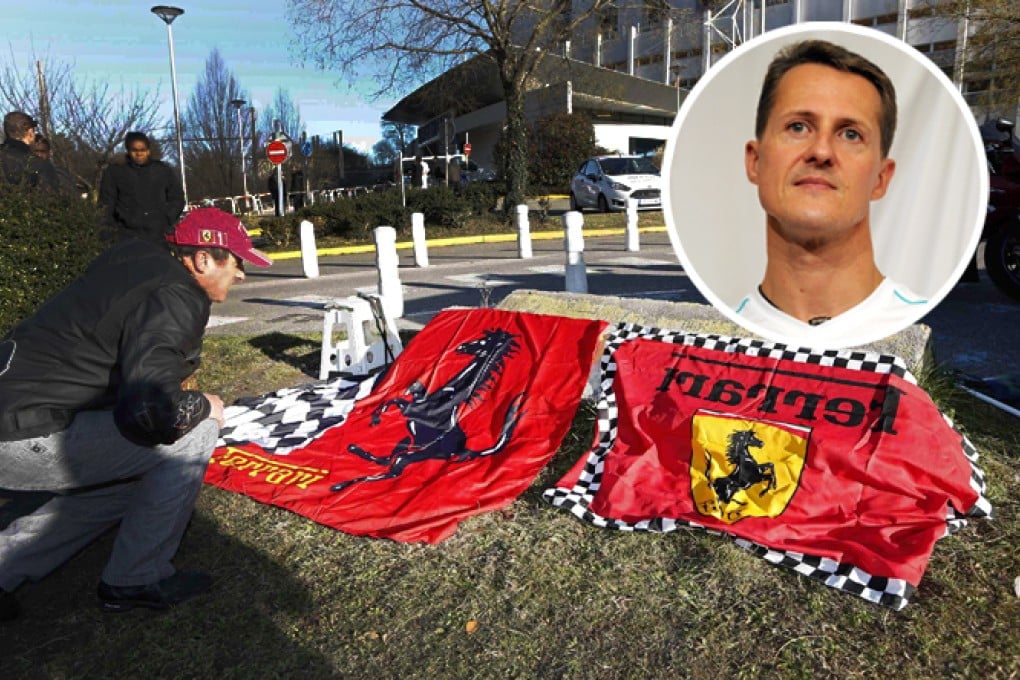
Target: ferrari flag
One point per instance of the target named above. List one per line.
(460, 424)
(835, 464)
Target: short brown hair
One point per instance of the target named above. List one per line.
(17, 124)
(839, 58)
(41, 147)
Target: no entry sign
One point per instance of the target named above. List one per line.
(276, 152)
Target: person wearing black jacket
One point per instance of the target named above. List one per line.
(18, 165)
(142, 197)
(92, 408)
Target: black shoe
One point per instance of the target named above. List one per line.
(171, 591)
(9, 607)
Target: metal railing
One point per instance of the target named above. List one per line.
(262, 204)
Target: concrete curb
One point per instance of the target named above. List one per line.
(912, 344)
(458, 241)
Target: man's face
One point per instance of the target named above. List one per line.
(217, 278)
(139, 153)
(818, 163)
(30, 135)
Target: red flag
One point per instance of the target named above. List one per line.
(460, 424)
(834, 463)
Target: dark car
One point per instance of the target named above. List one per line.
(1002, 225)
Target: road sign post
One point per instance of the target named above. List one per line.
(281, 197)
(276, 152)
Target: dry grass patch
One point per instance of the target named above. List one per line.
(528, 592)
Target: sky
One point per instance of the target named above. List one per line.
(122, 42)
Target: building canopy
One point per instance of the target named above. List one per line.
(475, 84)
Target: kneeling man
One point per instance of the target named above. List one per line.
(92, 409)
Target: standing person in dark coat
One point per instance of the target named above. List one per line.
(273, 188)
(142, 197)
(18, 165)
(41, 147)
(297, 185)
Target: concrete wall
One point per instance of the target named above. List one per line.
(616, 138)
(687, 40)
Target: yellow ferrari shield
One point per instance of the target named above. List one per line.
(742, 467)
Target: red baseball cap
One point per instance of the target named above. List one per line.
(213, 228)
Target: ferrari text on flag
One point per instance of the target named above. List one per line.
(835, 464)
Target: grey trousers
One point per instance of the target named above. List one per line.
(101, 479)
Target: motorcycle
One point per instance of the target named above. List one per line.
(1001, 231)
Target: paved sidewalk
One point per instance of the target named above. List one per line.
(976, 329)
(469, 273)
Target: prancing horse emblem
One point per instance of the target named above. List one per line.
(433, 418)
(747, 471)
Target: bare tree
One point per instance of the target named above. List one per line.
(284, 110)
(989, 65)
(96, 121)
(85, 121)
(383, 153)
(994, 53)
(396, 142)
(404, 41)
(209, 125)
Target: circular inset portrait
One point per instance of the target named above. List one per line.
(825, 185)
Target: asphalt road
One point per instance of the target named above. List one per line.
(976, 328)
(281, 299)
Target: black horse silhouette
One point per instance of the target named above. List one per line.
(747, 471)
(433, 417)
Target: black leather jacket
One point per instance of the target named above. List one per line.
(19, 165)
(122, 336)
(142, 200)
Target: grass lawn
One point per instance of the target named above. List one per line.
(529, 592)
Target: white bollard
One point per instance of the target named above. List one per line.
(576, 276)
(309, 260)
(523, 232)
(387, 265)
(633, 240)
(421, 251)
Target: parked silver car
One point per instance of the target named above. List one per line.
(606, 182)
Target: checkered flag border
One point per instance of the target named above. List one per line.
(291, 418)
(889, 592)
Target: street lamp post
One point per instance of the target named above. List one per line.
(254, 150)
(238, 103)
(168, 14)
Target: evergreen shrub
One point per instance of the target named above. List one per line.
(354, 218)
(441, 206)
(46, 240)
(482, 197)
(557, 144)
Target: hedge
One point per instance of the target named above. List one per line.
(355, 218)
(46, 240)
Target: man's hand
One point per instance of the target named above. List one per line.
(216, 410)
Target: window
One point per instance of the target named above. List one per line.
(656, 11)
(629, 166)
(609, 20)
